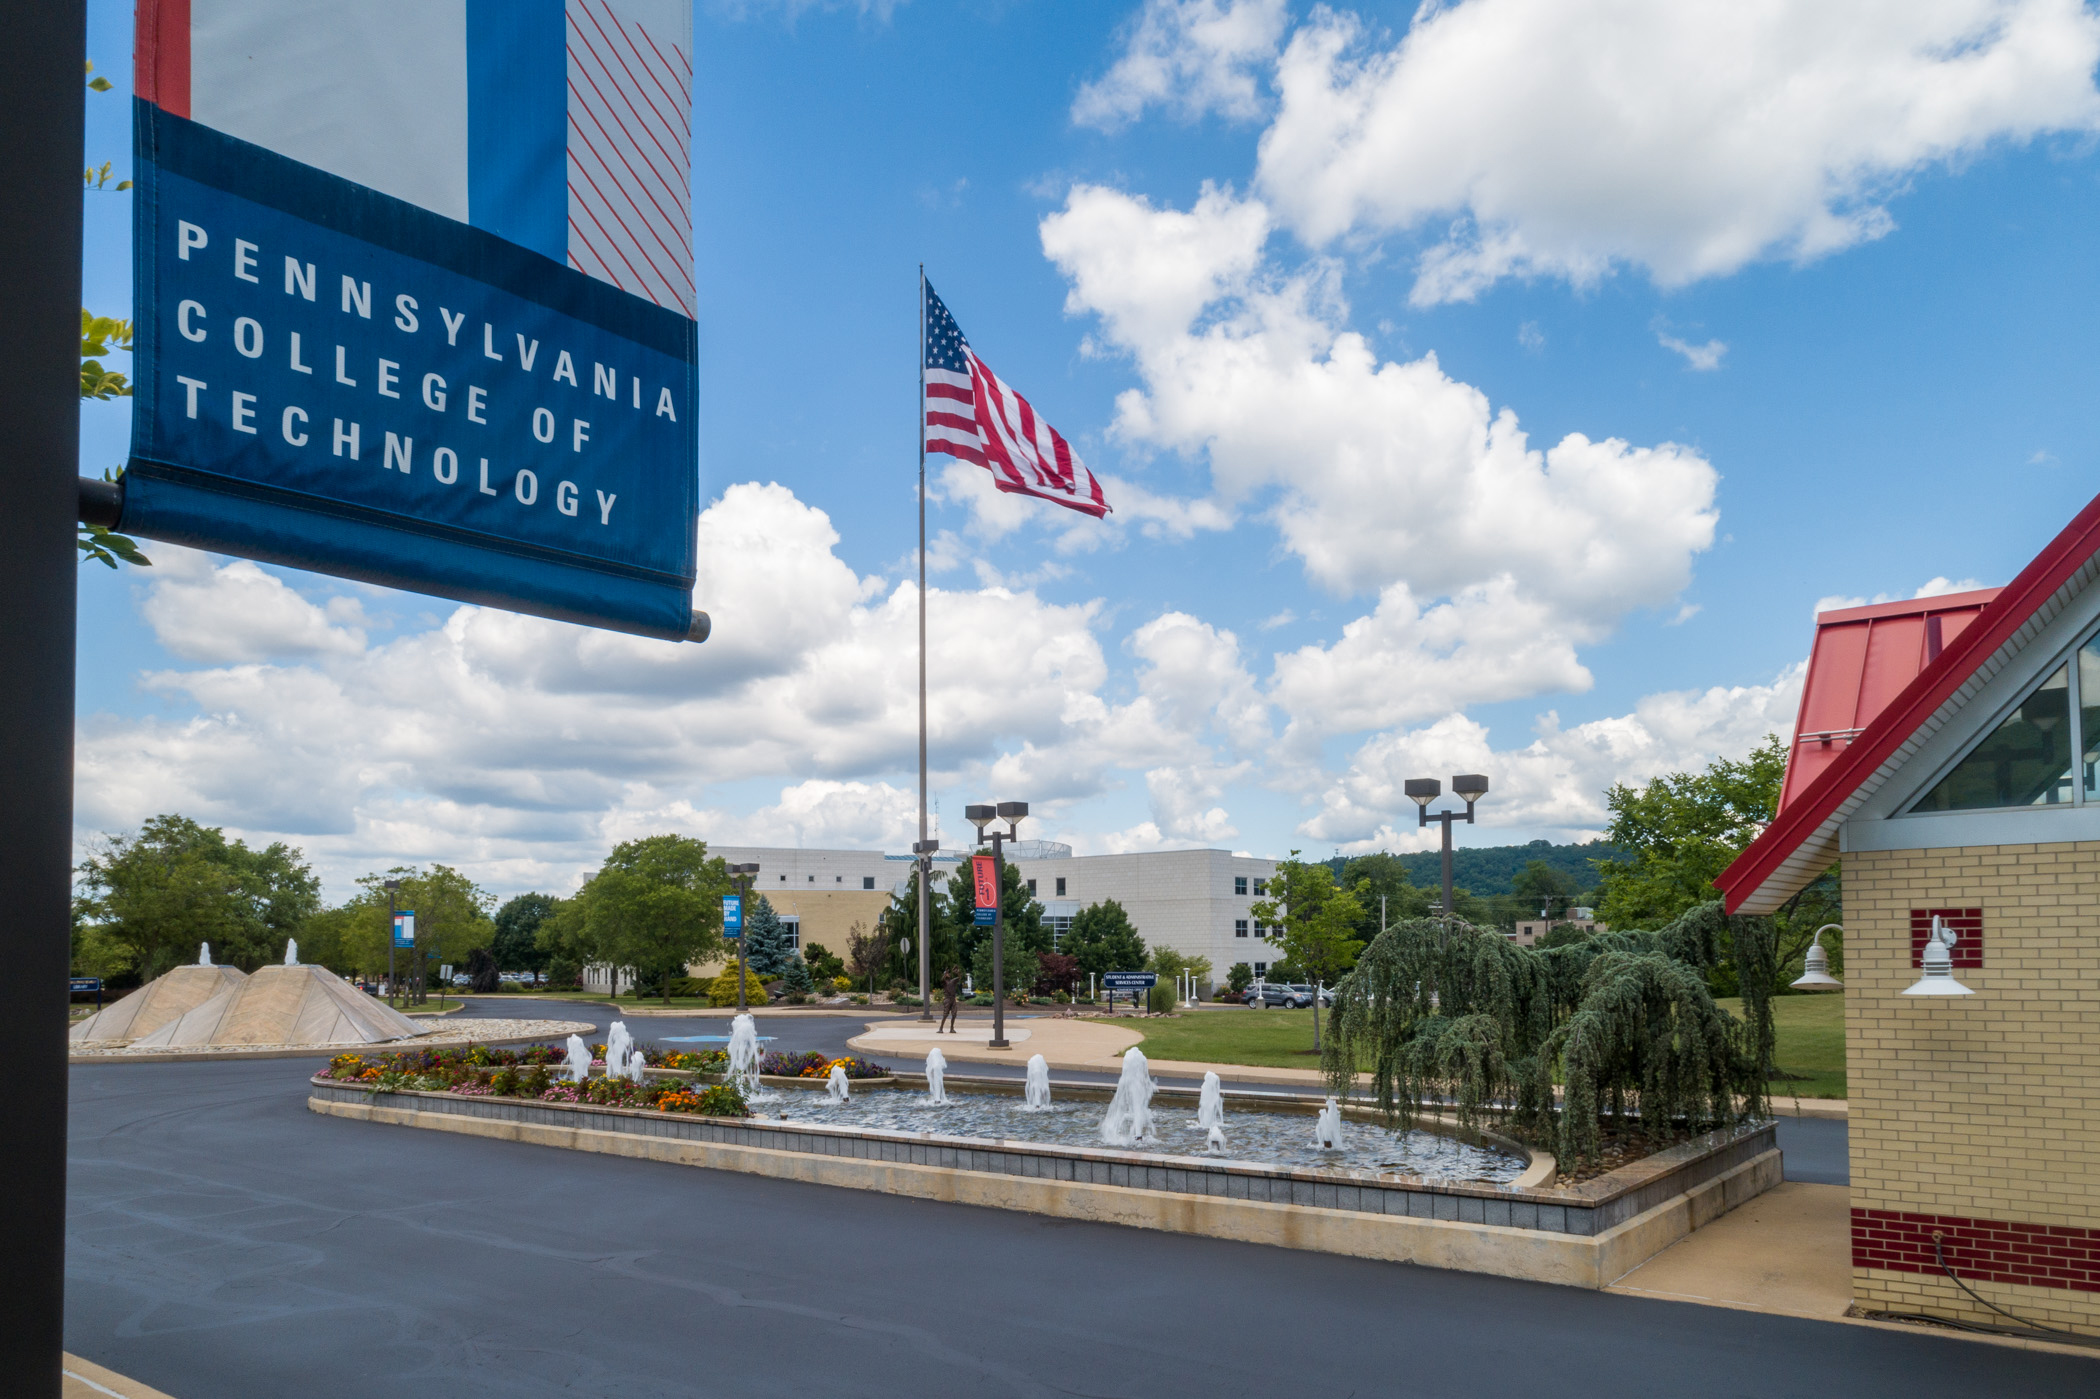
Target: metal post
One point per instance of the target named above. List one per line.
(925, 860)
(1445, 817)
(40, 163)
(393, 932)
(743, 935)
(998, 1040)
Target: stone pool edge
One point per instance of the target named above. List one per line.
(1576, 1260)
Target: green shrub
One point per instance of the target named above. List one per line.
(723, 1100)
(1160, 999)
(722, 990)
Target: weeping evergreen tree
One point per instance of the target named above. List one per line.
(1449, 1016)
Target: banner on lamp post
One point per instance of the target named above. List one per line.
(984, 873)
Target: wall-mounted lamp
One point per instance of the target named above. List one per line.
(1815, 974)
(1938, 975)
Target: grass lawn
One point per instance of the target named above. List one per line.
(1277, 1039)
(431, 1004)
(1810, 1031)
(1811, 1043)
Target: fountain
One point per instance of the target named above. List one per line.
(1327, 1132)
(1210, 1111)
(835, 1087)
(936, 1065)
(1129, 1120)
(578, 1065)
(617, 1043)
(743, 1055)
(1038, 1093)
(291, 952)
(203, 954)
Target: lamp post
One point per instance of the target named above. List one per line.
(742, 875)
(1469, 787)
(981, 816)
(393, 887)
(923, 852)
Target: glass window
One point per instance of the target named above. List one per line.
(1260, 968)
(1239, 927)
(1261, 888)
(1239, 884)
(2089, 714)
(793, 928)
(867, 881)
(1031, 888)
(2026, 760)
(1060, 888)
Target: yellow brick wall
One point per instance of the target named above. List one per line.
(1984, 1106)
(827, 915)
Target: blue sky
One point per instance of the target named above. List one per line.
(1216, 242)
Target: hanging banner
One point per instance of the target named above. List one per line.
(986, 877)
(415, 298)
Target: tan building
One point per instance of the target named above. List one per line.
(1949, 750)
(1529, 930)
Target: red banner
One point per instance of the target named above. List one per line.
(987, 881)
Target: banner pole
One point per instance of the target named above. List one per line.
(41, 118)
(921, 858)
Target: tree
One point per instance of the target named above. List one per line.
(1384, 875)
(1539, 885)
(1018, 908)
(1318, 922)
(99, 335)
(1239, 977)
(566, 942)
(452, 919)
(655, 905)
(766, 948)
(1682, 830)
(1171, 964)
(1104, 940)
(824, 964)
(866, 951)
(160, 892)
(799, 981)
(1055, 972)
(516, 947)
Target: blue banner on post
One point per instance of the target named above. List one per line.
(732, 915)
(475, 385)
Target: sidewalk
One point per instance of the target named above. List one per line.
(84, 1379)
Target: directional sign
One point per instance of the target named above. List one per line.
(732, 915)
(415, 298)
(984, 917)
(405, 928)
(1129, 981)
(86, 985)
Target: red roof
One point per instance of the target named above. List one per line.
(1802, 840)
(1863, 657)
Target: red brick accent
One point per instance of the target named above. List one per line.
(1967, 925)
(1991, 1250)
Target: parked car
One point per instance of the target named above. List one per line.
(1326, 994)
(1276, 993)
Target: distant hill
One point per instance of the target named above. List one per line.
(1487, 870)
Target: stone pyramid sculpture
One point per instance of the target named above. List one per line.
(291, 1004)
(161, 1001)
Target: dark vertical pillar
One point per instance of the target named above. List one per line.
(41, 72)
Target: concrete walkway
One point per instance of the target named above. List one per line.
(84, 1379)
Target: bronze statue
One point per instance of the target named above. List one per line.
(951, 988)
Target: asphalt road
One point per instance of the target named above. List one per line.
(225, 1242)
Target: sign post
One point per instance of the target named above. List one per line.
(1133, 982)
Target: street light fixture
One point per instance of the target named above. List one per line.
(742, 875)
(981, 815)
(1468, 787)
(924, 851)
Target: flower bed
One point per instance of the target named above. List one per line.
(813, 1064)
(480, 1072)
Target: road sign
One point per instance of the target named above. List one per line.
(732, 915)
(1129, 981)
(415, 300)
(86, 985)
(405, 928)
(445, 972)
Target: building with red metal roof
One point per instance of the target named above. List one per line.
(1948, 756)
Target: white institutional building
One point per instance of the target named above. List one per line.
(1198, 902)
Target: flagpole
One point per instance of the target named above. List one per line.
(922, 858)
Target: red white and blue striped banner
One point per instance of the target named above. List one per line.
(416, 296)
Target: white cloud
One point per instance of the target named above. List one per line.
(1557, 782)
(1491, 560)
(1943, 585)
(1704, 358)
(1189, 56)
(1563, 137)
(237, 612)
(1934, 587)
(1530, 337)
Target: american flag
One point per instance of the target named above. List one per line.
(973, 415)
